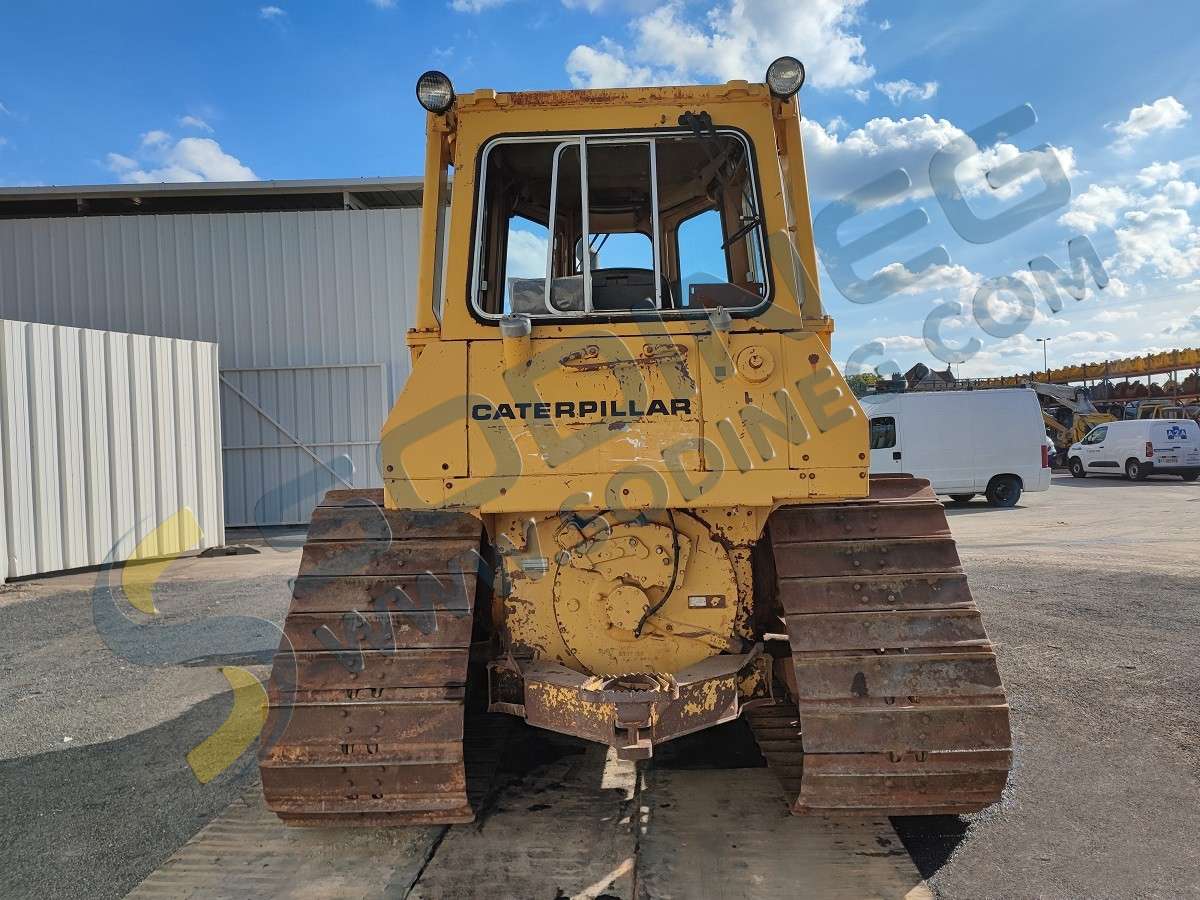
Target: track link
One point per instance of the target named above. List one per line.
(368, 688)
(898, 705)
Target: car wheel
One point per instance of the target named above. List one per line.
(1077, 468)
(1192, 477)
(961, 498)
(1003, 491)
(1135, 471)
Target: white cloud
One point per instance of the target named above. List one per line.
(1116, 315)
(1190, 287)
(1185, 325)
(1160, 240)
(1181, 193)
(475, 6)
(526, 255)
(1148, 213)
(838, 165)
(1116, 288)
(195, 122)
(189, 159)
(901, 343)
(606, 65)
(1098, 205)
(590, 5)
(1156, 172)
(119, 163)
(1088, 337)
(899, 91)
(897, 278)
(4, 110)
(885, 25)
(383, 4)
(736, 39)
(155, 138)
(270, 12)
(974, 172)
(860, 94)
(1164, 114)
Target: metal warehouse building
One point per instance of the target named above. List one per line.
(306, 286)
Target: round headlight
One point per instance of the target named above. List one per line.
(434, 91)
(785, 76)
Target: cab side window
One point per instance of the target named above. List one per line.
(883, 433)
(1096, 436)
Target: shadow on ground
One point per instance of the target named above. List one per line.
(930, 840)
(93, 821)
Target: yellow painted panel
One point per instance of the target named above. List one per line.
(423, 436)
(587, 402)
(836, 429)
(743, 417)
(647, 490)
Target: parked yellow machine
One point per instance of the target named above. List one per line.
(626, 488)
(1071, 414)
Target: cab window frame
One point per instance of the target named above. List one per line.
(601, 137)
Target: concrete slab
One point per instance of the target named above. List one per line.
(248, 852)
(563, 830)
(575, 824)
(727, 833)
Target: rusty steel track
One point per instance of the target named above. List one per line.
(367, 692)
(896, 702)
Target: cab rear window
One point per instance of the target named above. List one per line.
(619, 224)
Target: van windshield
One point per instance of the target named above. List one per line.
(600, 225)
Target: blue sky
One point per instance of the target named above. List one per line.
(318, 89)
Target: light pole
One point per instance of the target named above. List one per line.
(1045, 356)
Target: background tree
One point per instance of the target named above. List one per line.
(862, 384)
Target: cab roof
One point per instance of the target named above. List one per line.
(731, 91)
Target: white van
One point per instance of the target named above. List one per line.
(964, 442)
(1136, 448)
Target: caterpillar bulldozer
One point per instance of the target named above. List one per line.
(626, 490)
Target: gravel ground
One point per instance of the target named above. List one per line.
(1092, 595)
(1090, 591)
(95, 730)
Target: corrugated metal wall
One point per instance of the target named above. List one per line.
(278, 432)
(276, 290)
(104, 439)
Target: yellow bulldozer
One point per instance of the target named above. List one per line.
(1069, 414)
(626, 490)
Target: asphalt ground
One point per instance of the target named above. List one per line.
(1090, 591)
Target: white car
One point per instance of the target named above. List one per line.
(1137, 448)
(990, 442)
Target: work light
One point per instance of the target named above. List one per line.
(785, 76)
(434, 91)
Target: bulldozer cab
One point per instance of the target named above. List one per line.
(628, 286)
